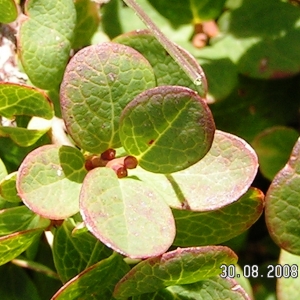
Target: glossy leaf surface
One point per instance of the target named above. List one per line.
(21, 100)
(8, 188)
(8, 11)
(126, 214)
(3, 173)
(166, 70)
(95, 283)
(99, 82)
(56, 172)
(218, 226)
(22, 136)
(24, 100)
(87, 22)
(165, 270)
(44, 50)
(168, 129)
(283, 204)
(220, 178)
(14, 244)
(209, 289)
(20, 218)
(75, 252)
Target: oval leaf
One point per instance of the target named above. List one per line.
(220, 178)
(99, 82)
(20, 218)
(167, 128)
(96, 282)
(218, 226)
(210, 289)
(126, 214)
(16, 100)
(181, 266)
(44, 50)
(166, 70)
(282, 205)
(49, 181)
(22, 136)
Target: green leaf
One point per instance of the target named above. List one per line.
(288, 284)
(166, 70)
(99, 82)
(190, 11)
(263, 47)
(273, 147)
(16, 284)
(57, 173)
(20, 218)
(24, 100)
(74, 252)
(110, 11)
(210, 289)
(45, 40)
(3, 171)
(9, 11)
(167, 128)
(8, 188)
(283, 205)
(222, 176)
(96, 282)
(181, 266)
(87, 23)
(22, 136)
(218, 226)
(20, 100)
(126, 214)
(14, 244)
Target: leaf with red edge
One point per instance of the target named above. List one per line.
(181, 266)
(126, 214)
(49, 181)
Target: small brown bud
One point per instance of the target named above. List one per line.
(89, 165)
(109, 154)
(130, 162)
(98, 161)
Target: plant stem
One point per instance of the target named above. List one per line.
(170, 47)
